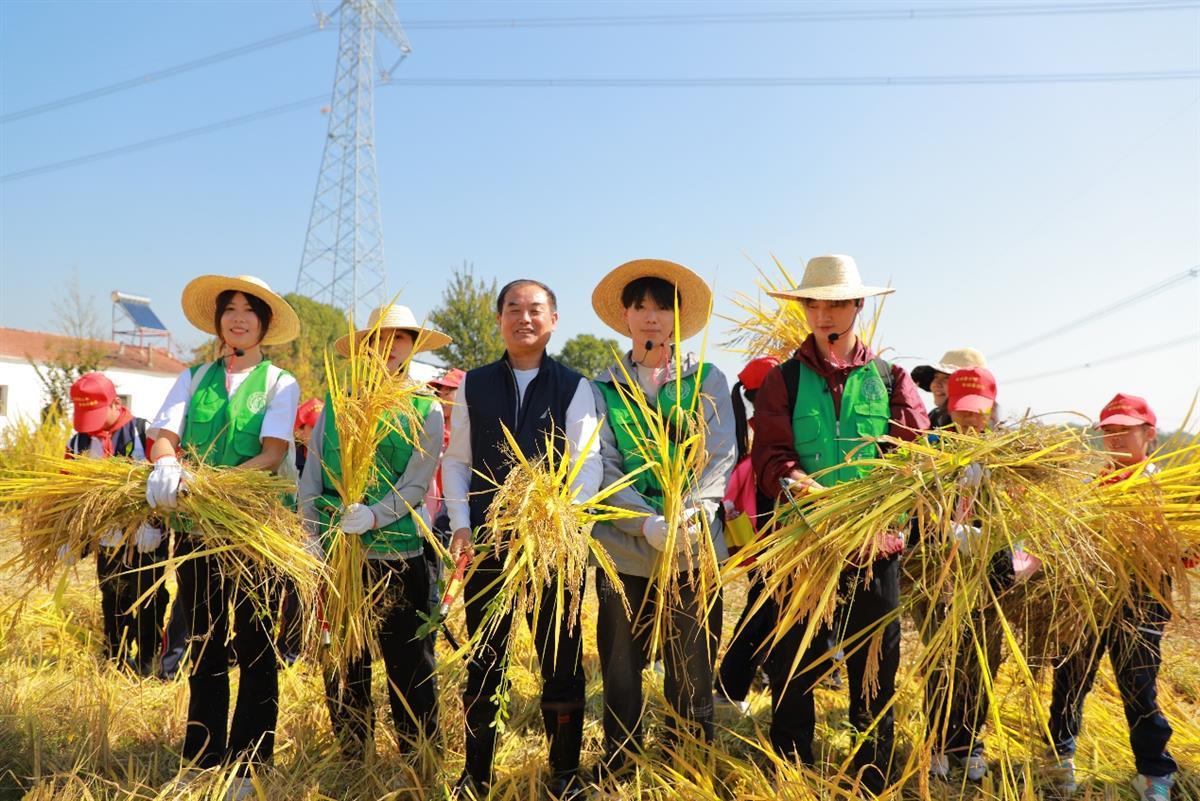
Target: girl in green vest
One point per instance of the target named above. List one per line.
(405, 466)
(638, 300)
(236, 412)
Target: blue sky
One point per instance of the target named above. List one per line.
(998, 212)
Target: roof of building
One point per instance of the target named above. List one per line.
(41, 346)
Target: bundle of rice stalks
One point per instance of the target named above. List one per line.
(367, 402)
(769, 326)
(540, 531)
(239, 517)
(672, 445)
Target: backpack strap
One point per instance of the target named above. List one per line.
(791, 380)
(885, 373)
(139, 424)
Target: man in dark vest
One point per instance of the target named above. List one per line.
(817, 412)
(533, 396)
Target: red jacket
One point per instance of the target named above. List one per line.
(773, 450)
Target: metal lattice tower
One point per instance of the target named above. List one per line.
(343, 262)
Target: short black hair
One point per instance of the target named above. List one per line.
(262, 310)
(525, 282)
(660, 289)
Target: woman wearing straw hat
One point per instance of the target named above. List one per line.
(812, 414)
(640, 300)
(404, 466)
(234, 412)
(934, 379)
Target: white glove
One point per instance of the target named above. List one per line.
(110, 538)
(967, 536)
(654, 529)
(162, 487)
(731, 511)
(67, 556)
(147, 538)
(972, 476)
(357, 519)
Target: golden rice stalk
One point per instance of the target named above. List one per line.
(540, 531)
(768, 326)
(673, 448)
(238, 516)
(23, 442)
(367, 402)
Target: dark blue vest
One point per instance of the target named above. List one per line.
(492, 400)
(122, 440)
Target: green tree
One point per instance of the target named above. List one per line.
(468, 315)
(588, 354)
(303, 357)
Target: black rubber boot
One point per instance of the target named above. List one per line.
(564, 734)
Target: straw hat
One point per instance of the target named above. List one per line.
(951, 360)
(831, 278)
(695, 298)
(200, 305)
(395, 316)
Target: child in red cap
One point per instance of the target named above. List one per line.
(1133, 642)
(126, 570)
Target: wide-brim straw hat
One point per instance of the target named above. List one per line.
(951, 360)
(200, 305)
(695, 297)
(396, 317)
(831, 278)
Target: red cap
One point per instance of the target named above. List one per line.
(92, 394)
(449, 379)
(1126, 410)
(972, 389)
(756, 370)
(308, 413)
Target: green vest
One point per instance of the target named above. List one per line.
(391, 460)
(823, 440)
(625, 423)
(222, 431)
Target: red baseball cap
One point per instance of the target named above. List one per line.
(450, 379)
(972, 389)
(308, 412)
(756, 370)
(91, 395)
(1126, 410)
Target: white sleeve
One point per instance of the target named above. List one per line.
(582, 422)
(456, 462)
(280, 418)
(174, 409)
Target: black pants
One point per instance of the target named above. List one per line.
(123, 577)
(688, 650)
(1133, 643)
(793, 708)
(956, 701)
(562, 678)
(407, 658)
(747, 650)
(177, 633)
(210, 739)
(289, 641)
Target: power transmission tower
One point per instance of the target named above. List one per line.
(343, 261)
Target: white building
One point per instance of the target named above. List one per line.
(142, 375)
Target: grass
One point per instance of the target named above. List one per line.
(73, 728)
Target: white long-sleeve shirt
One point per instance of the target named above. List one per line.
(579, 427)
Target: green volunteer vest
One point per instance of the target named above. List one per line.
(625, 424)
(823, 440)
(222, 431)
(391, 460)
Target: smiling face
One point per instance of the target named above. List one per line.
(827, 317)
(399, 346)
(939, 386)
(1130, 444)
(527, 318)
(647, 320)
(240, 325)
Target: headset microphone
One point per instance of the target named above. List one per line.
(649, 344)
(238, 352)
(834, 337)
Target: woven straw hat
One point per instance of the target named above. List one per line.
(831, 278)
(951, 360)
(200, 305)
(395, 316)
(695, 298)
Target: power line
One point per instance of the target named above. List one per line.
(1158, 346)
(916, 13)
(625, 83)
(162, 74)
(1128, 300)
